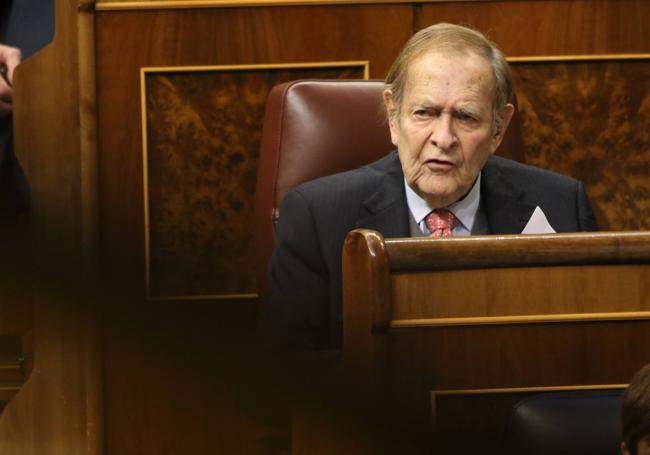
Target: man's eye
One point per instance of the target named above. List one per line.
(467, 118)
(421, 113)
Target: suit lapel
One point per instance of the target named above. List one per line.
(504, 201)
(386, 210)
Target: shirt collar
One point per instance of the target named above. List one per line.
(465, 209)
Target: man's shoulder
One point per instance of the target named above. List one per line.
(352, 181)
(526, 173)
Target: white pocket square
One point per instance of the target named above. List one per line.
(538, 224)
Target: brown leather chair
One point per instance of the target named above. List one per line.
(314, 128)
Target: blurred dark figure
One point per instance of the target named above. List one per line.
(25, 27)
(636, 414)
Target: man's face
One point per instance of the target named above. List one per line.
(443, 127)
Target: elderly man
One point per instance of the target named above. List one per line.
(446, 97)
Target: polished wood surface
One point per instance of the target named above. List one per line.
(552, 27)
(113, 5)
(203, 138)
(576, 115)
(517, 250)
(220, 384)
(360, 36)
(372, 278)
(544, 265)
(58, 410)
(165, 361)
(557, 98)
(214, 250)
(187, 377)
(606, 292)
(405, 364)
(12, 374)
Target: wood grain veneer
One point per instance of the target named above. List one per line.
(391, 350)
(518, 250)
(58, 410)
(551, 27)
(182, 377)
(583, 118)
(203, 130)
(288, 35)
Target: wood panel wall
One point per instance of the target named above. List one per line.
(187, 360)
(185, 375)
(146, 349)
(203, 132)
(191, 232)
(57, 411)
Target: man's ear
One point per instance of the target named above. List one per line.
(506, 116)
(391, 113)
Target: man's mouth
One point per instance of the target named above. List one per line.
(439, 165)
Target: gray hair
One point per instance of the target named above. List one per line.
(459, 39)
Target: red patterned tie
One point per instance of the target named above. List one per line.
(440, 222)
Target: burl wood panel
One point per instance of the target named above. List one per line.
(203, 133)
(589, 120)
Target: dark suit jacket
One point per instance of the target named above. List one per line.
(305, 269)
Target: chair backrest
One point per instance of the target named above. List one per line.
(314, 128)
(559, 423)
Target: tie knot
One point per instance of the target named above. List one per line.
(440, 222)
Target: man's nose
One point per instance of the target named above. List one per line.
(443, 134)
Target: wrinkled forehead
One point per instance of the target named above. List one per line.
(465, 70)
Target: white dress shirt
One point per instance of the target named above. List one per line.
(465, 210)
